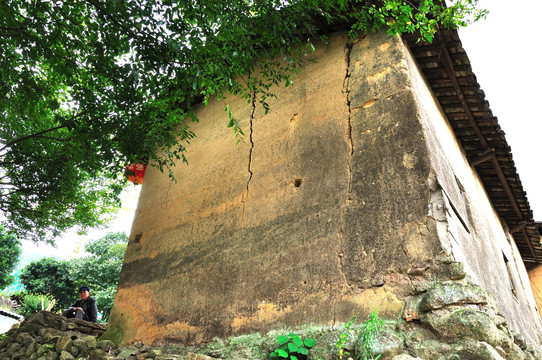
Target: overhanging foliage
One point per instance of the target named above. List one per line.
(89, 86)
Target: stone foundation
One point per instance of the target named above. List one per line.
(448, 320)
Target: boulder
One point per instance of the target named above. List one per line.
(64, 355)
(387, 343)
(325, 348)
(430, 349)
(443, 294)
(63, 343)
(475, 350)
(459, 323)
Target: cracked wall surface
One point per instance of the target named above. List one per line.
(251, 141)
(330, 219)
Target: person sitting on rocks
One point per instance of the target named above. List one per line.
(84, 308)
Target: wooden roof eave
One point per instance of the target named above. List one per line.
(447, 69)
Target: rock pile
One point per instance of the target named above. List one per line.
(47, 336)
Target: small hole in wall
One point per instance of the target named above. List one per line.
(305, 282)
(138, 237)
(297, 182)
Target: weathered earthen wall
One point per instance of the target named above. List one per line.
(323, 212)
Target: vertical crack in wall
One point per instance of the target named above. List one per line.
(167, 192)
(249, 168)
(407, 273)
(346, 91)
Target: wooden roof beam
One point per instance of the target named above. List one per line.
(490, 156)
(526, 237)
(523, 228)
(447, 62)
(506, 187)
(518, 228)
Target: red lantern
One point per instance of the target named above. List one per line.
(135, 173)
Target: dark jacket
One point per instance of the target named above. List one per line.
(89, 307)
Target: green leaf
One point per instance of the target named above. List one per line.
(282, 353)
(292, 347)
(296, 339)
(310, 342)
(282, 339)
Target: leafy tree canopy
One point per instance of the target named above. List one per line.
(60, 279)
(50, 276)
(89, 86)
(101, 269)
(10, 251)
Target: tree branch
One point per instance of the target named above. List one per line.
(50, 138)
(38, 134)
